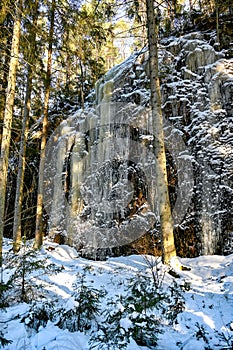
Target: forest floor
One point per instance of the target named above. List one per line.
(200, 303)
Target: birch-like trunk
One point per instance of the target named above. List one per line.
(39, 209)
(166, 222)
(8, 116)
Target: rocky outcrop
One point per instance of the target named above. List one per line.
(104, 186)
(198, 98)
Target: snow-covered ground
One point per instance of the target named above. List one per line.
(206, 321)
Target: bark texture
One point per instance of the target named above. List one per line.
(8, 116)
(17, 234)
(39, 211)
(166, 223)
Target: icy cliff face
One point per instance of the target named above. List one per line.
(99, 181)
(199, 98)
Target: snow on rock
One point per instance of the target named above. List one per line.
(100, 190)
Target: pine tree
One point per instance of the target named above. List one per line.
(6, 25)
(8, 116)
(24, 133)
(39, 213)
(166, 222)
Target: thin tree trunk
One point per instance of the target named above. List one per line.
(39, 211)
(166, 222)
(21, 167)
(8, 115)
(190, 5)
(5, 71)
(24, 133)
(217, 22)
(82, 84)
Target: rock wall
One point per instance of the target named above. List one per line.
(198, 97)
(102, 193)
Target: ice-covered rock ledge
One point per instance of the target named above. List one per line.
(100, 185)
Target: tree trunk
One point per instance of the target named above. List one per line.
(82, 84)
(6, 43)
(21, 167)
(166, 222)
(217, 23)
(8, 115)
(39, 210)
(190, 5)
(22, 152)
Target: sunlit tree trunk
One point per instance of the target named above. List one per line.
(5, 58)
(21, 169)
(190, 5)
(166, 222)
(217, 21)
(22, 152)
(8, 115)
(39, 210)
